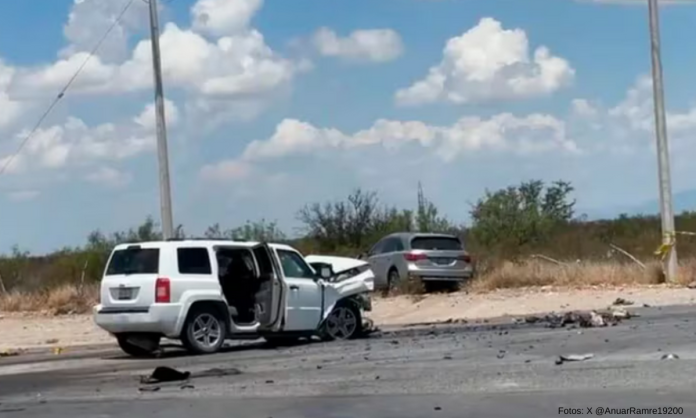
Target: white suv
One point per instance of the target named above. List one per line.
(204, 292)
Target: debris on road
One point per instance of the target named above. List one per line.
(369, 329)
(164, 374)
(670, 357)
(187, 387)
(583, 319)
(149, 389)
(573, 357)
(622, 302)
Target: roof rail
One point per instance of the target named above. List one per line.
(191, 239)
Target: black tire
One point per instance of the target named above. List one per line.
(204, 331)
(139, 351)
(329, 326)
(393, 280)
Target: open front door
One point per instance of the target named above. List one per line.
(270, 298)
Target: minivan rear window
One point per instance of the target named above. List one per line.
(134, 261)
(436, 243)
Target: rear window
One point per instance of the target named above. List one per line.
(193, 261)
(436, 243)
(134, 261)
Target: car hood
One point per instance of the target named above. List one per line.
(347, 282)
(339, 264)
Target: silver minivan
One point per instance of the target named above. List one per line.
(432, 258)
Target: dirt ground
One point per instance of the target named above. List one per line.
(24, 331)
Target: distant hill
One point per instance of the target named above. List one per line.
(683, 201)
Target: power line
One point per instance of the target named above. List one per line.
(64, 90)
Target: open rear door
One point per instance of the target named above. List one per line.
(270, 298)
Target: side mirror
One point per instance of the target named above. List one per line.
(325, 272)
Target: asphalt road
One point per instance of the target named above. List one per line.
(445, 371)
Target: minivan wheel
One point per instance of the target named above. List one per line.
(343, 323)
(129, 345)
(204, 331)
(393, 280)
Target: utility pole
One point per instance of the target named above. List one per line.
(162, 152)
(666, 209)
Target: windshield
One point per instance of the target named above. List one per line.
(134, 261)
(436, 243)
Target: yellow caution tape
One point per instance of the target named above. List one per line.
(669, 240)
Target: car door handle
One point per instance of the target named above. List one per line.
(294, 287)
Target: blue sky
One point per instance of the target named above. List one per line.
(271, 107)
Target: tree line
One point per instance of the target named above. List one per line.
(509, 224)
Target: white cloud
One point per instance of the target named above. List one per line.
(223, 17)
(235, 75)
(88, 20)
(75, 143)
(11, 110)
(233, 70)
(110, 177)
(375, 45)
(628, 126)
(148, 121)
(489, 63)
(238, 66)
(503, 133)
(584, 108)
(226, 170)
(23, 195)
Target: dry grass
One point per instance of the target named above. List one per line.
(540, 273)
(67, 299)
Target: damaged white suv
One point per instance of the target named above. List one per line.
(204, 292)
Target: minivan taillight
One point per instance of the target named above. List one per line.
(415, 256)
(163, 290)
(465, 258)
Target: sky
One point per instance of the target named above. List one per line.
(270, 107)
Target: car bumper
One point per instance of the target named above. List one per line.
(439, 277)
(157, 319)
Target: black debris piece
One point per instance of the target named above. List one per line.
(573, 357)
(670, 357)
(187, 387)
(165, 374)
(149, 389)
(622, 302)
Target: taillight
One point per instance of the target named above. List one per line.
(415, 256)
(465, 258)
(163, 290)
